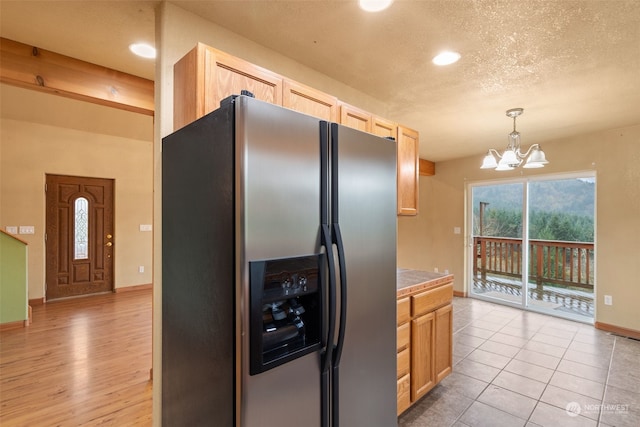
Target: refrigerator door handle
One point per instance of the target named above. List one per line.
(337, 352)
(326, 242)
(327, 354)
(337, 236)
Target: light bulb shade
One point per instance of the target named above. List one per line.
(537, 156)
(489, 162)
(509, 158)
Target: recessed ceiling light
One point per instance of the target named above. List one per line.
(374, 5)
(144, 50)
(446, 58)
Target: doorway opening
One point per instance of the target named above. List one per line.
(539, 232)
(79, 236)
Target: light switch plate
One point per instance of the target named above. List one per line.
(12, 229)
(27, 229)
(145, 227)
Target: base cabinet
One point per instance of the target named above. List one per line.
(425, 331)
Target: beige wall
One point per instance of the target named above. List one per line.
(45, 134)
(427, 241)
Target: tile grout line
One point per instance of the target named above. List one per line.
(606, 382)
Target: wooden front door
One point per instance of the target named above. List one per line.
(79, 237)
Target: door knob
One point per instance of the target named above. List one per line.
(109, 236)
(109, 244)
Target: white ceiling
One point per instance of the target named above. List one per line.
(574, 66)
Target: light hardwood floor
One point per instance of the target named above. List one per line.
(82, 362)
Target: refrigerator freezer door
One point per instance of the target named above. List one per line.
(278, 216)
(198, 334)
(366, 213)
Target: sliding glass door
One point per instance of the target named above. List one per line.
(532, 244)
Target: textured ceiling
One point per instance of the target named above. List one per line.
(574, 66)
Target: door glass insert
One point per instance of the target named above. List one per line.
(497, 242)
(561, 242)
(81, 228)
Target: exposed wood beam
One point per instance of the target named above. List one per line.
(427, 168)
(33, 68)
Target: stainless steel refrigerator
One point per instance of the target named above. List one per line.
(278, 272)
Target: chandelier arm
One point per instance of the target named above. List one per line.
(495, 152)
(529, 151)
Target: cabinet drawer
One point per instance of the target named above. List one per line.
(432, 299)
(404, 359)
(404, 400)
(404, 336)
(404, 310)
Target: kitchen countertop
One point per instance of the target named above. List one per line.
(410, 281)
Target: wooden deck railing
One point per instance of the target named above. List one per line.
(551, 261)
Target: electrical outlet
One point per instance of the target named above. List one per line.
(141, 269)
(12, 229)
(456, 230)
(608, 300)
(435, 269)
(145, 227)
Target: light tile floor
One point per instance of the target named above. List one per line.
(518, 368)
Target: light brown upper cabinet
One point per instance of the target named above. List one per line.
(354, 117)
(384, 128)
(408, 154)
(205, 76)
(307, 100)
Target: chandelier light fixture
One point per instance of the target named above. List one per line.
(512, 156)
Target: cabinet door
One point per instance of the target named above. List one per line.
(422, 347)
(384, 128)
(443, 349)
(227, 75)
(408, 155)
(205, 76)
(355, 118)
(307, 100)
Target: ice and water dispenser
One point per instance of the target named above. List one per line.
(286, 310)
